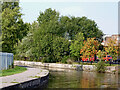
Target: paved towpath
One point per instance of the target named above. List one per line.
(29, 74)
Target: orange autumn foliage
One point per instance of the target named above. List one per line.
(90, 48)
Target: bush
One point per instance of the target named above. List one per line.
(100, 67)
(45, 60)
(64, 60)
(68, 59)
(48, 60)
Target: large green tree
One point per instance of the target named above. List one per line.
(49, 21)
(68, 27)
(50, 37)
(13, 28)
(47, 16)
(49, 45)
(73, 25)
(48, 40)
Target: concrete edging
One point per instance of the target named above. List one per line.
(110, 69)
(35, 83)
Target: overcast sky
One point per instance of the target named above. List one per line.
(105, 14)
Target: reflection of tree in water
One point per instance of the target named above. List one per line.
(81, 79)
(88, 80)
(111, 80)
(118, 80)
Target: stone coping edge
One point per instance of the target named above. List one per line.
(110, 69)
(34, 83)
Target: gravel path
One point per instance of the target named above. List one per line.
(29, 74)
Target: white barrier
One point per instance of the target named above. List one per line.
(6, 60)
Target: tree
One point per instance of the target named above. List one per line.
(90, 48)
(112, 48)
(9, 29)
(22, 29)
(50, 46)
(89, 28)
(41, 36)
(13, 28)
(101, 54)
(74, 25)
(49, 21)
(47, 16)
(60, 48)
(42, 45)
(24, 47)
(69, 26)
(10, 5)
(48, 38)
(77, 45)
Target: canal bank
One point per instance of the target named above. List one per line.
(32, 78)
(109, 69)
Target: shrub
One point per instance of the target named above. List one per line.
(45, 60)
(100, 67)
(64, 60)
(69, 61)
(48, 60)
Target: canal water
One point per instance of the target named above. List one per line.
(64, 78)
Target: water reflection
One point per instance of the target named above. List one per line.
(63, 78)
(82, 79)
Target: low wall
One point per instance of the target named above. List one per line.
(110, 69)
(52, 65)
(89, 68)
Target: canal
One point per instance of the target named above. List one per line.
(64, 78)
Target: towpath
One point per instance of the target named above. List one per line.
(29, 74)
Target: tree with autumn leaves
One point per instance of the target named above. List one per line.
(112, 48)
(90, 48)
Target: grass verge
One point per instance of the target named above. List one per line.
(15, 70)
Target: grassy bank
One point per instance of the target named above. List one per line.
(15, 70)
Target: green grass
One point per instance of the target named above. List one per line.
(84, 63)
(107, 64)
(34, 77)
(15, 70)
(14, 82)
